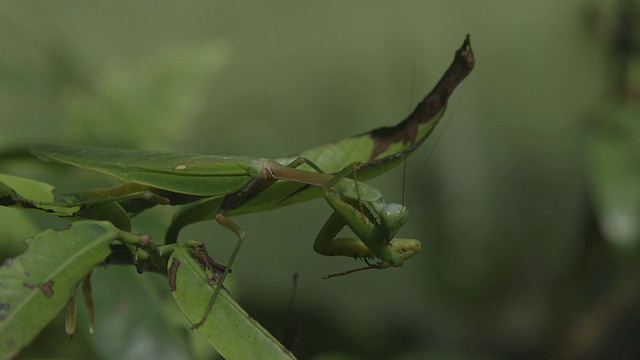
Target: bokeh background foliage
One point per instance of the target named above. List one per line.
(528, 207)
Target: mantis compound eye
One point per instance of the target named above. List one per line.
(392, 218)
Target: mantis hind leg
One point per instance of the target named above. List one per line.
(241, 234)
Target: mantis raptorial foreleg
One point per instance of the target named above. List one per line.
(349, 170)
(375, 223)
(329, 245)
(375, 228)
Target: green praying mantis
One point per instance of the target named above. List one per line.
(218, 187)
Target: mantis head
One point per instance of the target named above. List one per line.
(392, 218)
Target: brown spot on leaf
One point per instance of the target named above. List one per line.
(201, 254)
(28, 285)
(210, 266)
(4, 310)
(7, 262)
(173, 271)
(47, 288)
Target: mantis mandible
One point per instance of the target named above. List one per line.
(217, 187)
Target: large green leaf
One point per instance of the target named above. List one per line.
(35, 285)
(228, 328)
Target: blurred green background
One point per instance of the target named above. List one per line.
(527, 208)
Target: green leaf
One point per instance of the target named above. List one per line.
(228, 328)
(109, 211)
(32, 189)
(35, 285)
(14, 227)
(27, 194)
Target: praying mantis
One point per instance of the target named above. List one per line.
(218, 187)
